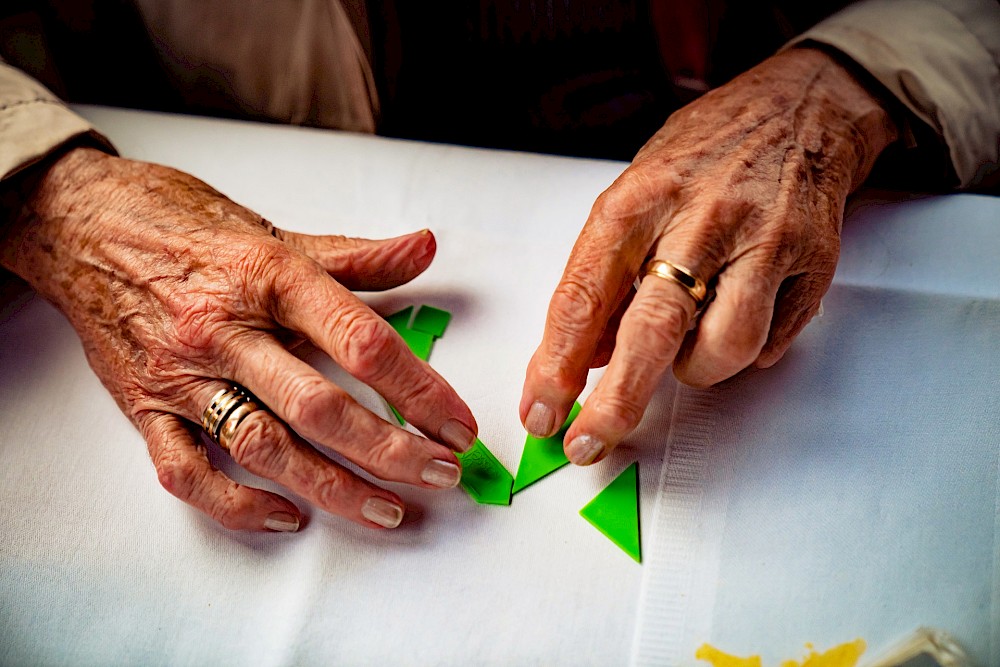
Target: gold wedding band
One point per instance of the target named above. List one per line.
(226, 411)
(695, 287)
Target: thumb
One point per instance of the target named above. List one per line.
(365, 264)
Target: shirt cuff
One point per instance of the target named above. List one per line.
(939, 59)
(34, 123)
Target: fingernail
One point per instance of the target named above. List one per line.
(457, 435)
(541, 420)
(584, 449)
(441, 474)
(383, 512)
(281, 522)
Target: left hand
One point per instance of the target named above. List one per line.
(745, 187)
(177, 292)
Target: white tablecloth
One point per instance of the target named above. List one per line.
(98, 565)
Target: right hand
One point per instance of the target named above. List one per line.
(175, 290)
(745, 187)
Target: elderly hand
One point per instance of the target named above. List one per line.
(745, 187)
(175, 290)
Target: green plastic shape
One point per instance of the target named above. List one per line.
(543, 456)
(420, 343)
(400, 321)
(431, 320)
(428, 324)
(615, 512)
(484, 477)
(398, 416)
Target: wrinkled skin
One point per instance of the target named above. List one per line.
(745, 187)
(173, 288)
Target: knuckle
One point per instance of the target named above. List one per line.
(227, 509)
(197, 323)
(273, 275)
(261, 446)
(630, 195)
(176, 474)
(297, 283)
(662, 324)
(578, 305)
(135, 399)
(269, 227)
(330, 487)
(311, 401)
(648, 183)
(386, 457)
(421, 390)
(784, 249)
(619, 414)
(261, 259)
(616, 203)
(365, 343)
(554, 374)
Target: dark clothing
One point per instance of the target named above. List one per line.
(567, 76)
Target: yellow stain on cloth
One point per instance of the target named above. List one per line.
(719, 659)
(845, 655)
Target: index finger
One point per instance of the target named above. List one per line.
(650, 335)
(598, 276)
(652, 331)
(312, 303)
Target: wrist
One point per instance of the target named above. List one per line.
(859, 106)
(42, 203)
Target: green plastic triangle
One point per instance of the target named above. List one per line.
(615, 512)
(420, 343)
(398, 416)
(543, 456)
(484, 477)
(431, 320)
(400, 321)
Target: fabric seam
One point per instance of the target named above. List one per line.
(34, 100)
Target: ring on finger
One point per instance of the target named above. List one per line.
(694, 286)
(226, 411)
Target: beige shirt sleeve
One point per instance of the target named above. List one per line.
(33, 122)
(940, 58)
(295, 61)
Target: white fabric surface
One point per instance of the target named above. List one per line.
(98, 565)
(853, 490)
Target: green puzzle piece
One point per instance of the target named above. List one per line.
(543, 456)
(484, 477)
(431, 320)
(398, 416)
(400, 321)
(615, 512)
(429, 324)
(420, 343)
